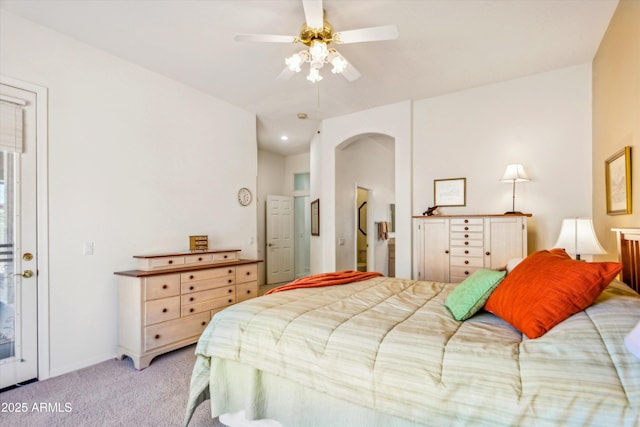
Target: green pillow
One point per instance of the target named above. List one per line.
(473, 292)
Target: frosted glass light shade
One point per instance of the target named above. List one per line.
(632, 341)
(578, 237)
(514, 173)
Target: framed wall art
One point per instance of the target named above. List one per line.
(450, 192)
(315, 217)
(618, 182)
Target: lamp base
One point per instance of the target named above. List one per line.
(513, 213)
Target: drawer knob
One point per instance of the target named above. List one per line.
(164, 310)
(157, 336)
(204, 323)
(170, 261)
(230, 271)
(466, 228)
(190, 288)
(191, 276)
(164, 286)
(487, 253)
(466, 252)
(199, 258)
(446, 251)
(466, 272)
(191, 310)
(230, 290)
(466, 243)
(248, 291)
(466, 221)
(230, 281)
(248, 273)
(466, 236)
(191, 299)
(230, 300)
(466, 261)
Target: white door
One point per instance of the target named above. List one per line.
(280, 255)
(18, 239)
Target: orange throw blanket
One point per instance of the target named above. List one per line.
(326, 279)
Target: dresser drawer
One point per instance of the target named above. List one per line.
(458, 274)
(225, 256)
(467, 228)
(246, 273)
(206, 306)
(468, 242)
(464, 251)
(175, 330)
(467, 261)
(161, 263)
(161, 310)
(467, 235)
(203, 285)
(211, 273)
(197, 259)
(467, 221)
(166, 285)
(245, 291)
(195, 297)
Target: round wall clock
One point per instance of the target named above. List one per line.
(244, 196)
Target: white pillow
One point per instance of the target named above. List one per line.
(511, 264)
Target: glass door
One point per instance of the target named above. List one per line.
(18, 237)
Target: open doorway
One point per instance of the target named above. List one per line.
(362, 196)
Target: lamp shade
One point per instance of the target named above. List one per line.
(632, 341)
(578, 237)
(514, 173)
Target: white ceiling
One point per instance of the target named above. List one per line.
(444, 46)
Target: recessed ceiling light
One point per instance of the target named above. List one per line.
(302, 116)
(284, 138)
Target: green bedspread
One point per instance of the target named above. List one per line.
(390, 345)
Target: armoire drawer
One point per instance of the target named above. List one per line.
(246, 291)
(208, 305)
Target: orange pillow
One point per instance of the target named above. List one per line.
(546, 288)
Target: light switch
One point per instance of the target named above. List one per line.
(87, 248)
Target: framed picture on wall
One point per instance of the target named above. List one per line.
(315, 217)
(450, 192)
(618, 182)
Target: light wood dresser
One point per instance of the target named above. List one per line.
(450, 248)
(168, 301)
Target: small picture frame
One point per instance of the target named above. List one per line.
(315, 217)
(618, 182)
(450, 192)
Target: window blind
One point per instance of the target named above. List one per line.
(10, 126)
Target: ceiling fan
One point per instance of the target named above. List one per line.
(317, 34)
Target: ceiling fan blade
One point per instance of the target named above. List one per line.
(264, 38)
(313, 13)
(350, 72)
(371, 34)
(285, 74)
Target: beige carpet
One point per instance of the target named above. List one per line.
(112, 393)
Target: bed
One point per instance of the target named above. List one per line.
(388, 352)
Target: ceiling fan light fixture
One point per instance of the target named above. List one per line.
(295, 61)
(314, 75)
(339, 64)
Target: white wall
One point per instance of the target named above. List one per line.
(137, 163)
(542, 121)
(393, 120)
(366, 162)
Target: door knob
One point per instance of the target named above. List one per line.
(26, 274)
